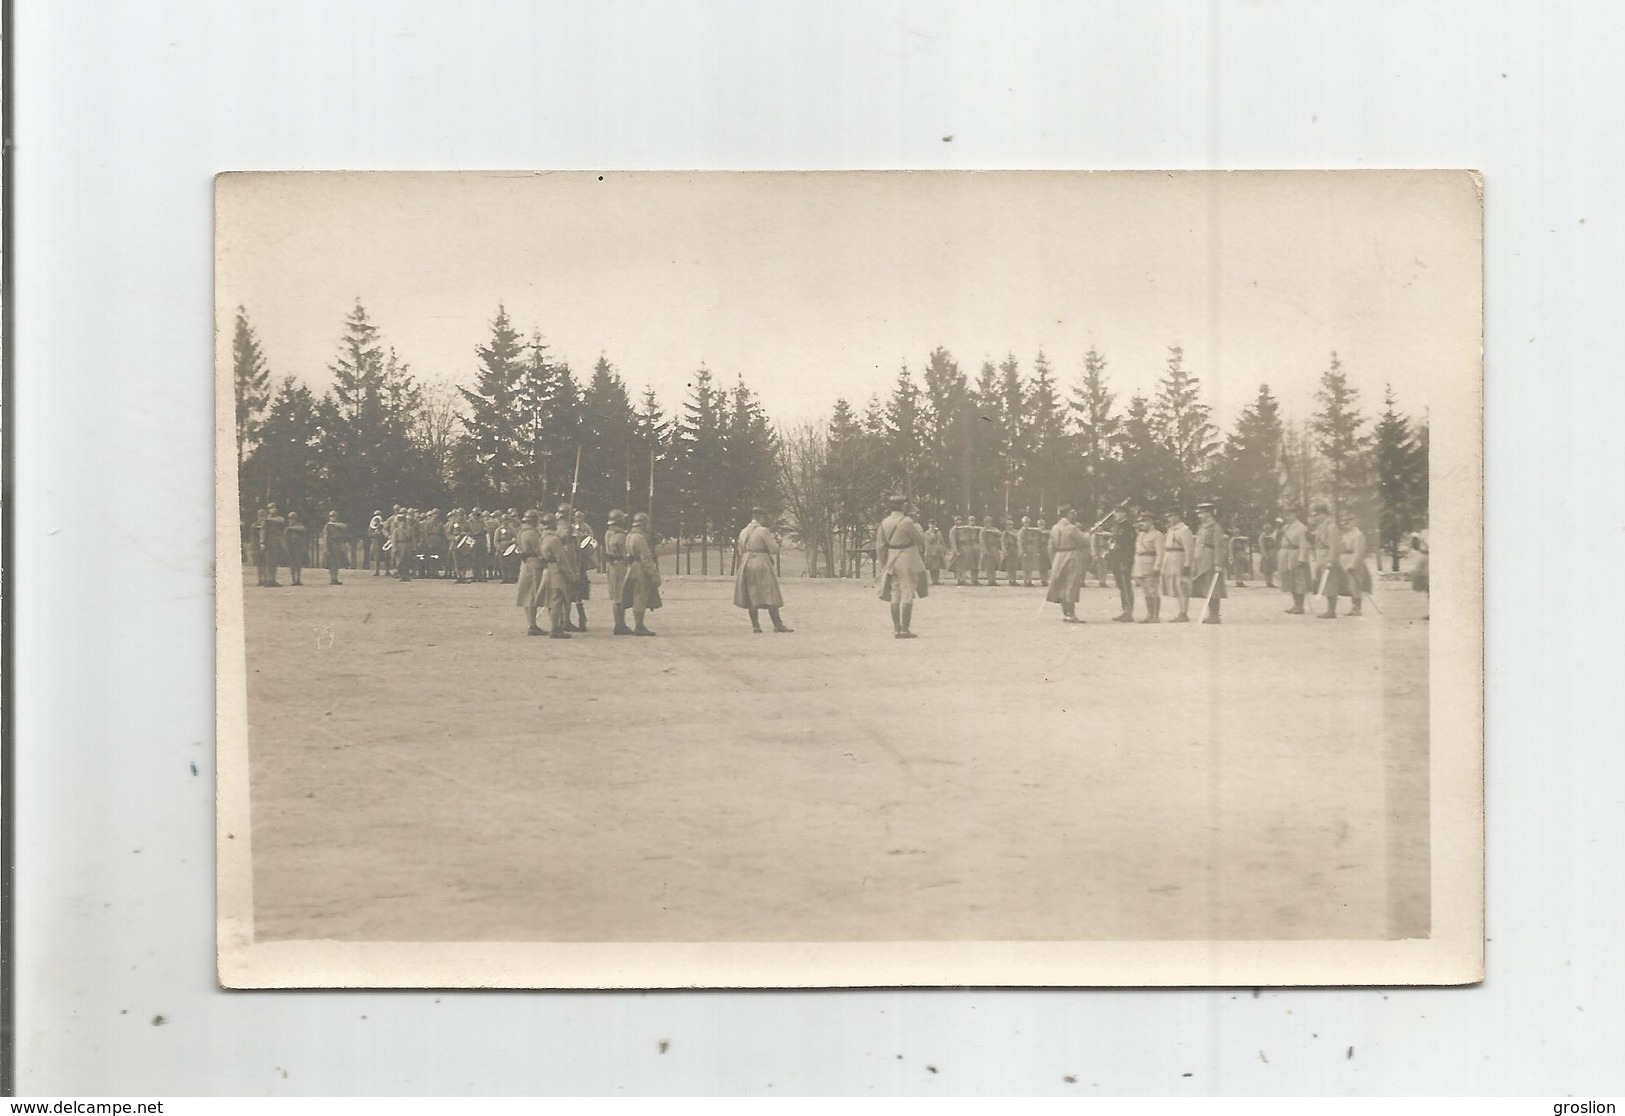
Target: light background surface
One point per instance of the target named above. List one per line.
(124, 112)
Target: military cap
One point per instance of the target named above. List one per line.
(896, 501)
(528, 517)
(640, 519)
(616, 515)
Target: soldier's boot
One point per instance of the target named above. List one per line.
(755, 621)
(908, 615)
(778, 624)
(1212, 616)
(581, 615)
(1297, 605)
(1331, 608)
(531, 628)
(620, 621)
(1355, 610)
(637, 620)
(897, 619)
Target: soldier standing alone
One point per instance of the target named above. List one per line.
(298, 547)
(1122, 560)
(1068, 545)
(331, 545)
(899, 546)
(756, 586)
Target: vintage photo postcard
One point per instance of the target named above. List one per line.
(849, 579)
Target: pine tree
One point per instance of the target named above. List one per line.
(367, 449)
(1183, 427)
(747, 452)
(946, 424)
(987, 441)
(1099, 430)
(251, 378)
(1047, 441)
(1149, 474)
(607, 432)
(1401, 478)
(283, 466)
(1249, 489)
(493, 428)
(903, 433)
(1013, 434)
(1344, 446)
(654, 487)
(700, 454)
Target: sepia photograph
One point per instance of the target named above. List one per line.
(779, 579)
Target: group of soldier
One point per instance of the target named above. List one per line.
(549, 556)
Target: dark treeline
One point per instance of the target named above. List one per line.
(1010, 440)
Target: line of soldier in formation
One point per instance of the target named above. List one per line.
(548, 556)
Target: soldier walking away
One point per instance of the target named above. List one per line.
(1356, 574)
(899, 549)
(1149, 557)
(1294, 558)
(616, 559)
(756, 586)
(992, 547)
(331, 545)
(1121, 559)
(1176, 564)
(298, 547)
(272, 543)
(1328, 547)
(1068, 547)
(1208, 559)
(642, 588)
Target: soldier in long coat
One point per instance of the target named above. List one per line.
(272, 529)
(564, 526)
(505, 543)
(1027, 549)
(1121, 558)
(1069, 550)
(297, 543)
(1294, 558)
(936, 553)
(1150, 554)
(967, 557)
(992, 548)
(900, 551)
(1211, 552)
(334, 536)
(1328, 548)
(756, 585)
(584, 549)
(528, 596)
(616, 560)
(403, 542)
(1176, 564)
(641, 590)
(1356, 574)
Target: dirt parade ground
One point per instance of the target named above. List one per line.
(423, 771)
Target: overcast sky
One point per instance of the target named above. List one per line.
(814, 286)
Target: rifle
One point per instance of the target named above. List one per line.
(575, 482)
(1101, 521)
